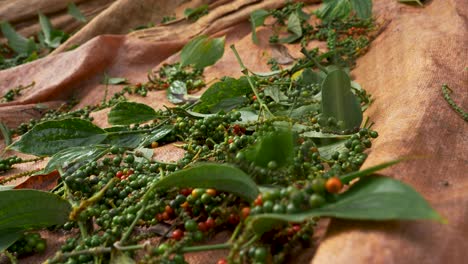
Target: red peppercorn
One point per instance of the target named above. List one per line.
(258, 201)
(210, 223)
(169, 210)
(233, 219)
(159, 217)
(186, 191)
(296, 228)
(119, 174)
(166, 216)
(177, 234)
(202, 227)
(222, 261)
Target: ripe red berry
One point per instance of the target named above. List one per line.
(177, 234)
(119, 174)
(202, 226)
(222, 261)
(210, 223)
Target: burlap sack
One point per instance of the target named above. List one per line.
(418, 50)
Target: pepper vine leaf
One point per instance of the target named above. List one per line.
(339, 102)
(214, 98)
(22, 210)
(18, 43)
(202, 52)
(222, 177)
(50, 137)
(371, 198)
(257, 18)
(127, 113)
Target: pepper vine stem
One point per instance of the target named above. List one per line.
(245, 71)
(446, 94)
(206, 247)
(96, 197)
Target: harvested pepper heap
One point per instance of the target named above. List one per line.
(265, 156)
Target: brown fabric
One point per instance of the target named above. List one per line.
(420, 49)
(23, 14)
(417, 51)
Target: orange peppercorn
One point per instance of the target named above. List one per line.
(211, 192)
(333, 185)
(245, 212)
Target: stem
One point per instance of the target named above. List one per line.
(206, 247)
(306, 53)
(13, 259)
(251, 241)
(130, 132)
(144, 202)
(118, 246)
(59, 257)
(446, 93)
(32, 160)
(96, 197)
(236, 232)
(245, 71)
(83, 231)
(20, 175)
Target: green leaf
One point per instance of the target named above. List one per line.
(143, 153)
(18, 43)
(177, 93)
(247, 116)
(202, 52)
(6, 187)
(46, 27)
(5, 133)
(221, 177)
(317, 134)
(119, 257)
(126, 113)
(294, 26)
(339, 102)
(277, 146)
(257, 18)
(75, 157)
(21, 210)
(299, 112)
(275, 93)
(371, 198)
(327, 151)
(195, 13)
(358, 174)
(309, 76)
(157, 134)
(334, 9)
(228, 88)
(52, 38)
(341, 9)
(50, 137)
(123, 137)
(75, 12)
(9, 237)
(410, 2)
(114, 80)
(363, 8)
(228, 104)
